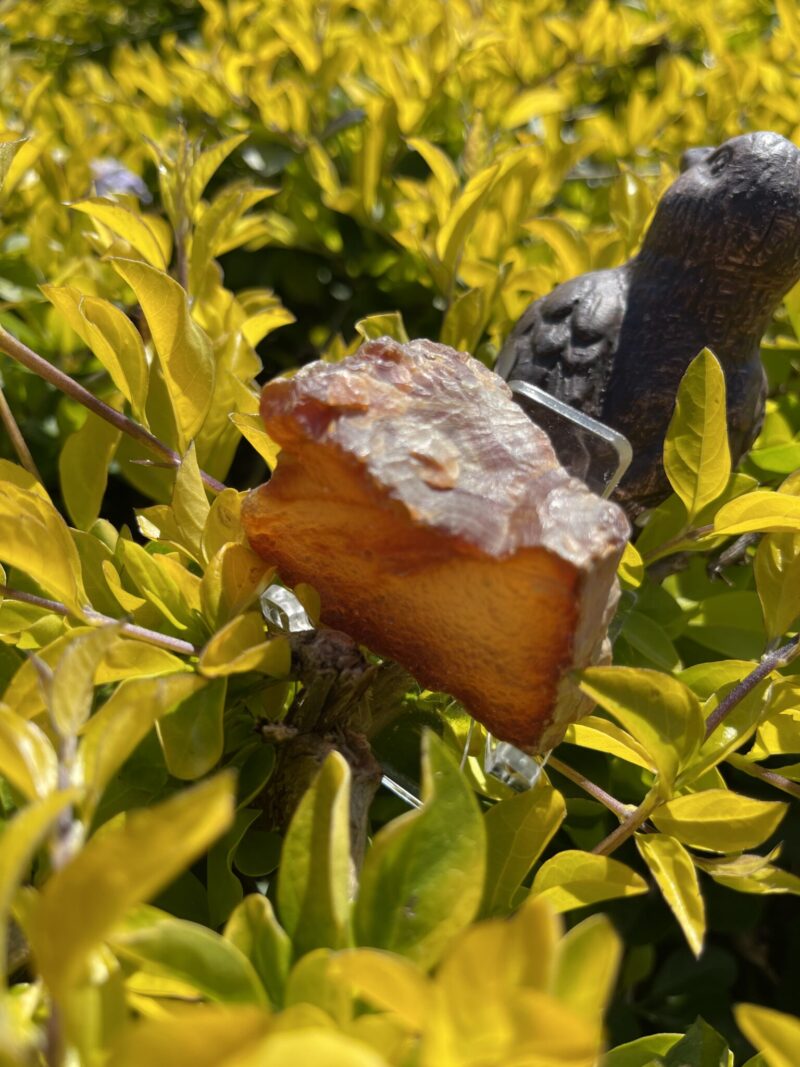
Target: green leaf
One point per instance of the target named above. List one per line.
(573, 879)
(314, 875)
(233, 579)
(34, 538)
(19, 841)
(184, 350)
(423, 877)
(701, 1047)
(256, 932)
(387, 324)
(252, 429)
(191, 736)
(775, 1034)
(719, 820)
(213, 965)
(125, 224)
(224, 888)
(672, 867)
(661, 713)
(586, 967)
(113, 732)
(762, 511)
(518, 830)
(83, 469)
(697, 458)
(124, 866)
(643, 1052)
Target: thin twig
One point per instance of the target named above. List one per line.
(772, 661)
(17, 440)
(622, 811)
(34, 362)
(773, 778)
(128, 629)
(628, 827)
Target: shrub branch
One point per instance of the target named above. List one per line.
(34, 362)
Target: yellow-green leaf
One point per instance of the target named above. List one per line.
(252, 429)
(719, 820)
(672, 867)
(661, 713)
(192, 736)
(113, 732)
(586, 966)
(125, 865)
(256, 932)
(240, 646)
(388, 982)
(27, 758)
(774, 1033)
(208, 1036)
(83, 469)
(8, 149)
(125, 224)
(387, 324)
(71, 686)
(421, 883)
(20, 839)
(518, 830)
(573, 879)
(697, 457)
(183, 349)
(762, 511)
(777, 574)
(205, 167)
(314, 876)
(35, 538)
(190, 505)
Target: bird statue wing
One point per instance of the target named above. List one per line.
(566, 341)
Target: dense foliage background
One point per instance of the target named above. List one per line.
(194, 199)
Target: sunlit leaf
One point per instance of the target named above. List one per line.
(776, 1034)
(696, 453)
(314, 879)
(256, 932)
(422, 883)
(719, 820)
(123, 866)
(673, 870)
(573, 879)
(132, 228)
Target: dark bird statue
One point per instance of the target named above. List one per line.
(722, 250)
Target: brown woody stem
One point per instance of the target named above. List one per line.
(628, 827)
(34, 362)
(128, 629)
(773, 778)
(619, 809)
(17, 440)
(772, 661)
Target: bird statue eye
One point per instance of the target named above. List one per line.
(718, 161)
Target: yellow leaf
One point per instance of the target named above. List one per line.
(190, 505)
(71, 686)
(661, 713)
(27, 758)
(696, 454)
(573, 879)
(35, 538)
(8, 149)
(183, 349)
(125, 865)
(21, 838)
(207, 1036)
(233, 579)
(762, 511)
(675, 875)
(205, 167)
(776, 1035)
(388, 982)
(631, 566)
(125, 224)
(240, 646)
(252, 429)
(532, 104)
(83, 469)
(719, 820)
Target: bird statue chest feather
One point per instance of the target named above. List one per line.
(721, 252)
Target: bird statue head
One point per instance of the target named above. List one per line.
(734, 209)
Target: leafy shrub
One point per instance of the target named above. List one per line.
(239, 188)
